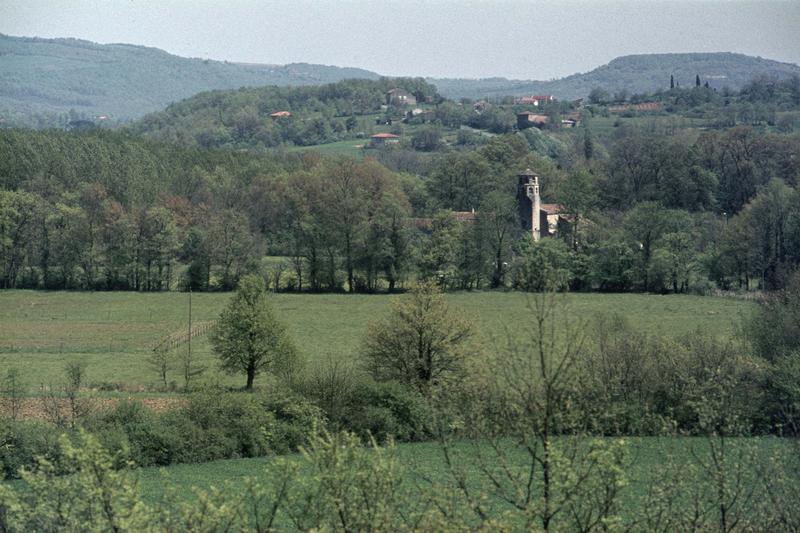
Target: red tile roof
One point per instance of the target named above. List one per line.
(384, 136)
(552, 209)
(533, 99)
(278, 114)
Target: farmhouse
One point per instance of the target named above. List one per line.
(400, 97)
(382, 139)
(535, 100)
(528, 119)
(280, 114)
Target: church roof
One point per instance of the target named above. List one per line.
(552, 209)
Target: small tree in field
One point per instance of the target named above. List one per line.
(421, 342)
(248, 337)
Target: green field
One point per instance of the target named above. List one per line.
(352, 147)
(114, 332)
(644, 458)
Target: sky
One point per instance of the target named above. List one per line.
(530, 39)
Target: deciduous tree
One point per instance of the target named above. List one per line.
(422, 342)
(249, 338)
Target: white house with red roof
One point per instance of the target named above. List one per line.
(535, 100)
(382, 139)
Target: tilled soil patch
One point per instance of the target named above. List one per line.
(49, 409)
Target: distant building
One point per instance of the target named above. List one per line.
(536, 218)
(535, 100)
(541, 220)
(280, 114)
(382, 139)
(400, 97)
(528, 119)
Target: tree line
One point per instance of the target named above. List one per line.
(643, 209)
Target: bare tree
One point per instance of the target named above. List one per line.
(12, 392)
(75, 373)
(161, 362)
(529, 442)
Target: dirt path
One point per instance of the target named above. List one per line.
(43, 408)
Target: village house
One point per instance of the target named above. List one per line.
(400, 97)
(280, 114)
(535, 100)
(383, 139)
(528, 119)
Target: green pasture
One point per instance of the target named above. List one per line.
(114, 332)
(644, 459)
(352, 147)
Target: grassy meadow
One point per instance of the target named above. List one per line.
(114, 332)
(424, 462)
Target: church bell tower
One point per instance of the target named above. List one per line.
(530, 203)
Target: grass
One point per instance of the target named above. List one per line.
(114, 332)
(352, 147)
(644, 457)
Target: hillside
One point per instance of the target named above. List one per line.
(634, 73)
(241, 118)
(43, 78)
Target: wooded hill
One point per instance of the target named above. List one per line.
(41, 79)
(242, 118)
(633, 73)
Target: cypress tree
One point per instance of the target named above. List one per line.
(671, 81)
(697, 80)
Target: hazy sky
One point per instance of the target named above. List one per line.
(441, 38)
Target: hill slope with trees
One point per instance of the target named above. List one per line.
(43, 79)
(633, 73)
(244, 118)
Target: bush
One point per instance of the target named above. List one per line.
(353, 402)
(388, 409)
(641, 384)
(20, 442)
(295, 418)
(773, 329)
(148, 438)
(214, 424)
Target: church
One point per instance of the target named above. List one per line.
(536, 218)
(540, 220)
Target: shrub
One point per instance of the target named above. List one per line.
(388, 409)
(295, 418)
(21, 441)
(147, 437)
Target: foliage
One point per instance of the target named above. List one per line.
(421, 343)
(543, 266)
(248, 336)
(772, 328)
(241, 118)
